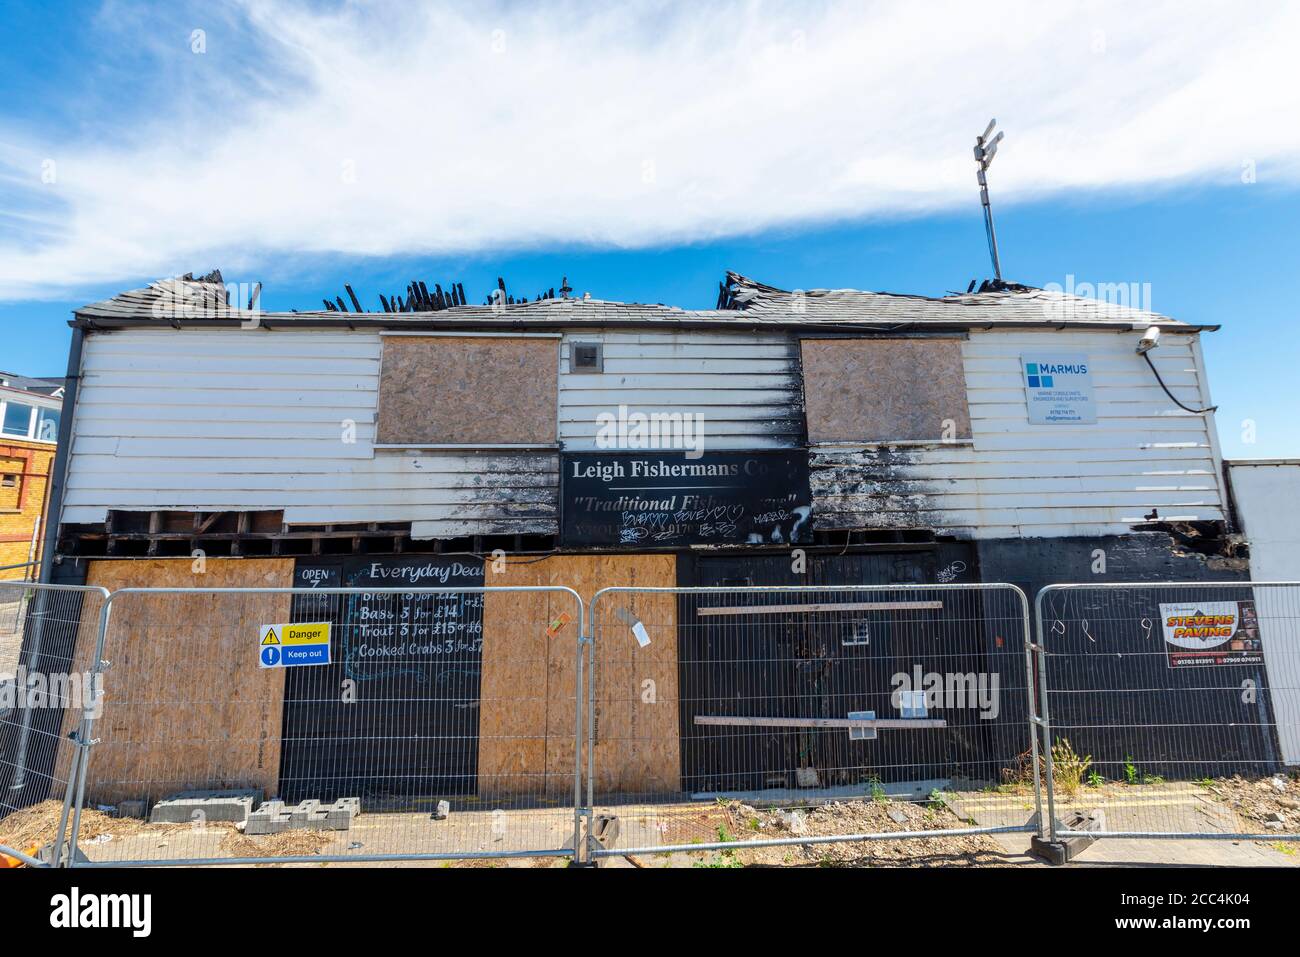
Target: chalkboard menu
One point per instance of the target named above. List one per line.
(665, 499)
(394, 717)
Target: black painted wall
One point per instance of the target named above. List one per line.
(1111, 691)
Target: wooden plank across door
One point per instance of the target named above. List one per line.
(822, 606)
(891, 723)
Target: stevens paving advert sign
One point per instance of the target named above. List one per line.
(666, 499)
(1211, 633)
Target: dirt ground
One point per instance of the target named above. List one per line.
(1273, 803)
(32, 828)
(745, 822)
(1227, 805)
(1210, 805)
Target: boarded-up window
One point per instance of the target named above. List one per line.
(884, 390)
(437, 390)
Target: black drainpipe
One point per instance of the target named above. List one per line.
(63, 452)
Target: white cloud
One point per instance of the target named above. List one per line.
(379, 130)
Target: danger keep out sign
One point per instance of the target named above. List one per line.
(293, 645)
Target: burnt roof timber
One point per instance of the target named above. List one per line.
(416, 322)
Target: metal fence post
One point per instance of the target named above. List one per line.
(580, 809)
(85, 740)
(1031, 650)
(591, 733)
(56, 852)
(1044, 721)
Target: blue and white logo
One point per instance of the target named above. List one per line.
(1058, 388)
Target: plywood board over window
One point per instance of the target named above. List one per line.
(186, 705)
(885, 390)
(452, 390)
(526, 704)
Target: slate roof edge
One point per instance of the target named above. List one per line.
(414, 321)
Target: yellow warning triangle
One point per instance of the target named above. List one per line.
(271, 638)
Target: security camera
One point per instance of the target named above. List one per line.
(1150, 339)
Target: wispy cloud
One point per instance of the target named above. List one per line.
(376, 129)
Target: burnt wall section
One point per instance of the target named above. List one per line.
(873, 488)
(1034, 563)
(1142, 460)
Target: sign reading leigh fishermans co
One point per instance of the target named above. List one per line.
(666, 499)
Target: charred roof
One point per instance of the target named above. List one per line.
(742, 302)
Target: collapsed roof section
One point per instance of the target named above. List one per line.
(187, 302)
(1009, 303)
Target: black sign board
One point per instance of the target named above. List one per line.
(668, 499)
(393, 718)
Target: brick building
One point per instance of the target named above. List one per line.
(29, 428)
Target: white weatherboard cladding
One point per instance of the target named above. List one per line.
(1015, 478)
(1264, 493)
(746, 386)
(251, 419)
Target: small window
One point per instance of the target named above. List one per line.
(8, 481)
(17, 419)
(586, 357)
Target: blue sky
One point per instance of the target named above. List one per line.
(304, 146)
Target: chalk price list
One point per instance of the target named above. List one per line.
(414, 625)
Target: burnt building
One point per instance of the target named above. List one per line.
(889, 420)
(825, 437)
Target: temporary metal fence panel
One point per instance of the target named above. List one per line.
(731, 718)
(47, 700)
(344, 725)
(1172, 709)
